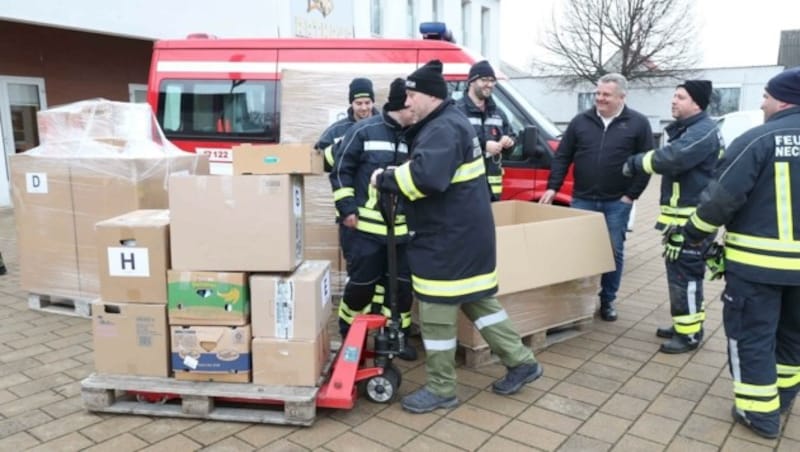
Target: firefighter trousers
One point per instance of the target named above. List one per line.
(685, 284)
(367, 279)
(438, 323)
(762, 324)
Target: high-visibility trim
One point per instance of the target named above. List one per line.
(372, 197)
(406, 183)
(491, 319)
(702, 225)
(783, 200)
(752, 390)
(329, 155)
(790, 381)
(493, 121)
(668, 219)
(475, 121)
(759, 260)
(676, 194)
(443, 345)
(454, 288)
(377, 298)
(678, 211)
(469, 171)
(758, 406)
(347, 314)
(380, 229)
(497, 189)
(647, 162)
(374, 215)
(379, 289)
(785, 369)
(378, 145)
(762, 243)
(405, 319)
(495, 179)
(343, 192)
(689, 319)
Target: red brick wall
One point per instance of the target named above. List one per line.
(75, 65)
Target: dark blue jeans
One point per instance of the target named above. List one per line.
(616, 213)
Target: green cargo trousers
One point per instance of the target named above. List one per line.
(438, 323)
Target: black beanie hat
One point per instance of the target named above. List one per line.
(361, 87)
(397, 95)
(428, 79)
(699, 91)
(480, 69)
(785, 86)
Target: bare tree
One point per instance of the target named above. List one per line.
(643, 40)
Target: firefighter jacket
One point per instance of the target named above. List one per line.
(490, 125)
(756, 196)
(333, 134)
(452, 250)
(599, 152)
(686, 164)
(375, 142)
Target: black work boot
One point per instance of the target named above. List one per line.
(409, 352)
(769, 430)
(607, 311)
(665, 332)
(680, 343)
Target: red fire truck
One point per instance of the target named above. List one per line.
(210, 94)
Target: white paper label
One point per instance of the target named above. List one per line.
(36, 182)
(284, 309)
(190, 362)
(298, 199)
(128, 261)
(326, 288)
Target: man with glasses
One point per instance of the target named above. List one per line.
(489, 122)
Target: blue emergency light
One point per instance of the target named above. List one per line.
(436, 30)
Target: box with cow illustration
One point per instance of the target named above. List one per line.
(207, 298)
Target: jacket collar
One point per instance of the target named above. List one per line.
(472, 108)
(782, 113)
(677, 127)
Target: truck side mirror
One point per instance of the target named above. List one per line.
(530, 143)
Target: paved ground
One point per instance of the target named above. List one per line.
(606, 390)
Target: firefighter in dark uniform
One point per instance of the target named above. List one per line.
(491, 125)
(686, 164)
(362, 99)
(756, 196)
(452, 250)
(375, 142)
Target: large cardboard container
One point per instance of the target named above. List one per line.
(133, 250)
(208, 298)
(58, 201)
(211, 353)
(290, 362)
(236, 223)
(295, 306)
(130, 339)
(282, 158)
(547, 261)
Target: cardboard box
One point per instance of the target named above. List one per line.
(211, 353)
(130, 339)
(58, 201)
(133, 250)
(295, 306)
(547, 261)
(208, 298)
(215, 219)
(277, 159)
(290, 362)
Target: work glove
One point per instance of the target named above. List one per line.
(673, 243)
(715, 260)
(630, 167)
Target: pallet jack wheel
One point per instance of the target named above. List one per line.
(385, 387)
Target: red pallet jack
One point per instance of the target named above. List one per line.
(381, 380)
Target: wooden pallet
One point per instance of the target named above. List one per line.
(286, 405)
(60, 305)
(536, 340)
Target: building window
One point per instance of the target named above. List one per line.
(485, 33)
(465, 22)
(411, 21)
(724, 100)
(585, 101)
(376, 15)
(137, 92)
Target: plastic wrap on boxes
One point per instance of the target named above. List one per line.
(305, 114)
(98, 159)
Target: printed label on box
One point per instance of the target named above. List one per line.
(36, 182)
(128, 261)
(298, 199)
(326, 288)
(284, 309)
